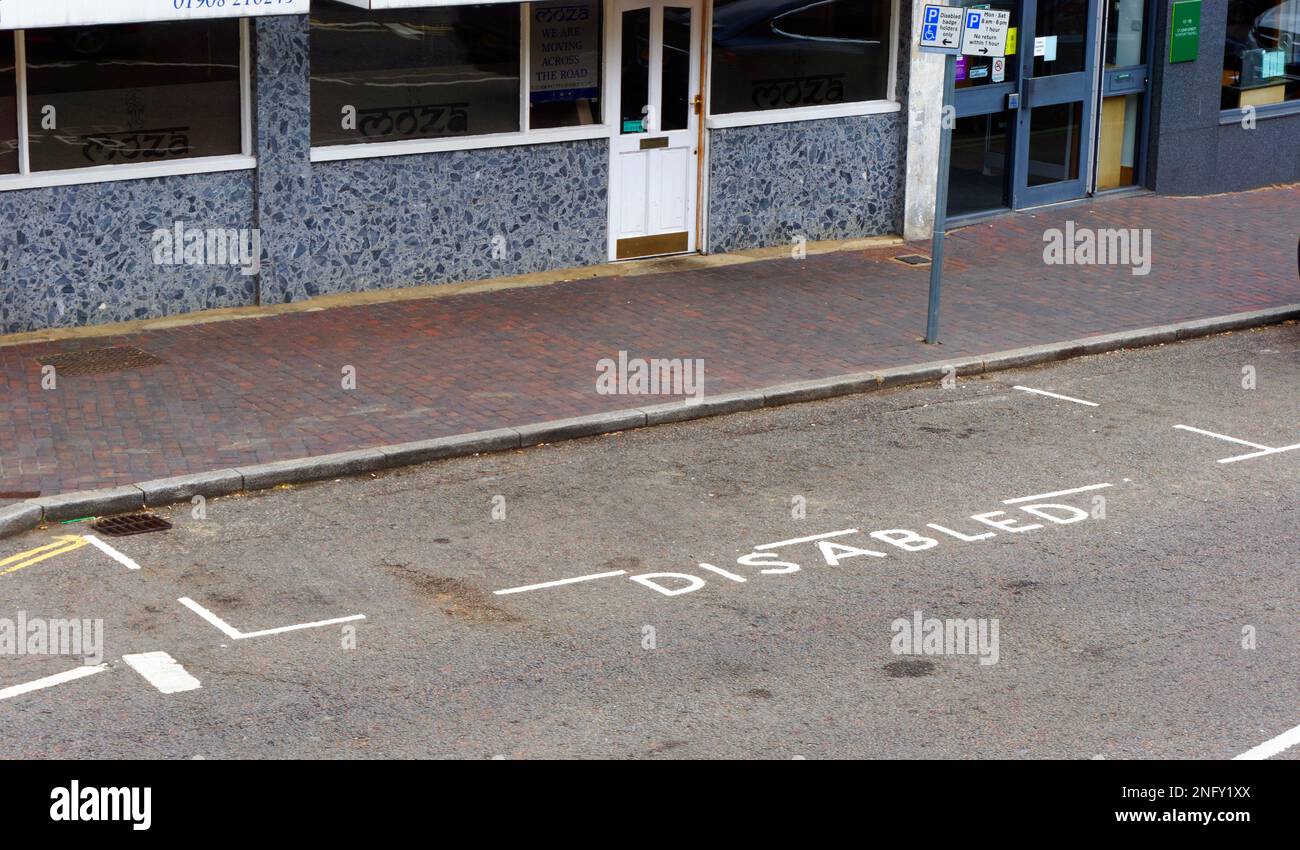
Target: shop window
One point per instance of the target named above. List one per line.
(133, 93)
(786, 54)
(413, 74)
(1261, 58)
(564, 70)
(116, 95)
(9, 156)
(453, 71)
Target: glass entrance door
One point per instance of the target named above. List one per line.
(1047, 124)
(979, 177)
(1125, 87)
(1054, 127)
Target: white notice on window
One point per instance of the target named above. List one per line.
(564, 52)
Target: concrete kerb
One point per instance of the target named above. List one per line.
(25, 516)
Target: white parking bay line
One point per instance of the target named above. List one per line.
(235, 634)
(1056, 395)
(163, 672)
(1261, 450)
(1277, 451)
(558, 583)
(1054, 494)
(111, 552)
(1222, 437)
(51, 681)
(229, 630)
(1270, 748)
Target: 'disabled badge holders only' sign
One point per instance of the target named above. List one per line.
(941, 29)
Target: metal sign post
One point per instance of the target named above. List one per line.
(949, 31)
(940, 205)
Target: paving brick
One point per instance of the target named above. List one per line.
(238, 394)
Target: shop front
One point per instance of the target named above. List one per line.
(392, 143)
(656, 82)
(375, 144)
(1064, 116)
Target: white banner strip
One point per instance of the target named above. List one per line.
(33, 14)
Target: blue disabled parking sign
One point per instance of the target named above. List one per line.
(941, 29)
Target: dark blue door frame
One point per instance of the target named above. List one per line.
(1039, 93)
(1085, 87)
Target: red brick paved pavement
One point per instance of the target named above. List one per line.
(250, 391)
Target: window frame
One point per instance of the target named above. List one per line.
(756, 118)
(523, 136)
(1266, 111)
(245, 160)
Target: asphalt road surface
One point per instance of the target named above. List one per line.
(1152, 614)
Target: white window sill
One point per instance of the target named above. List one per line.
(333, 153)
(126, 171)
(801, 113)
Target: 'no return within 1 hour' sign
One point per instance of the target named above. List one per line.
(985, 32)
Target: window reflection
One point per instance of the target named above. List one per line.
(413, 74)
(133, 93)
(779, 54)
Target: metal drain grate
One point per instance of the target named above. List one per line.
(914, 259)
(128, 524)
(96, 360)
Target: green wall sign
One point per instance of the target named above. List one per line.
(1184, 30)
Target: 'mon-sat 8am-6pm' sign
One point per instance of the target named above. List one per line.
(30, 14)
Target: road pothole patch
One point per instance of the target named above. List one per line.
(909, 668)
(456, 598)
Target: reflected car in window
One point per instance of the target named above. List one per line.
(780, 54)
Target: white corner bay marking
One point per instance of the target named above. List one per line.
(111, 552)
(559, 583)
(1040, 496)
(163, 672)
(1056, 395)
(1261, 450)
(235, 634)
(50, 681)
(1270, 748)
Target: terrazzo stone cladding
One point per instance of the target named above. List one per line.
(462, 215)
(836, 178)
(81, 255)
(284, 174)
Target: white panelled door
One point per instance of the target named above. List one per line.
(654, 80)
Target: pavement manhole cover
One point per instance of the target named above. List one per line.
(913, 260)
(96, 360)
(128, 524)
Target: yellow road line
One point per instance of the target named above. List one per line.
(66, 543)
(62, 541)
